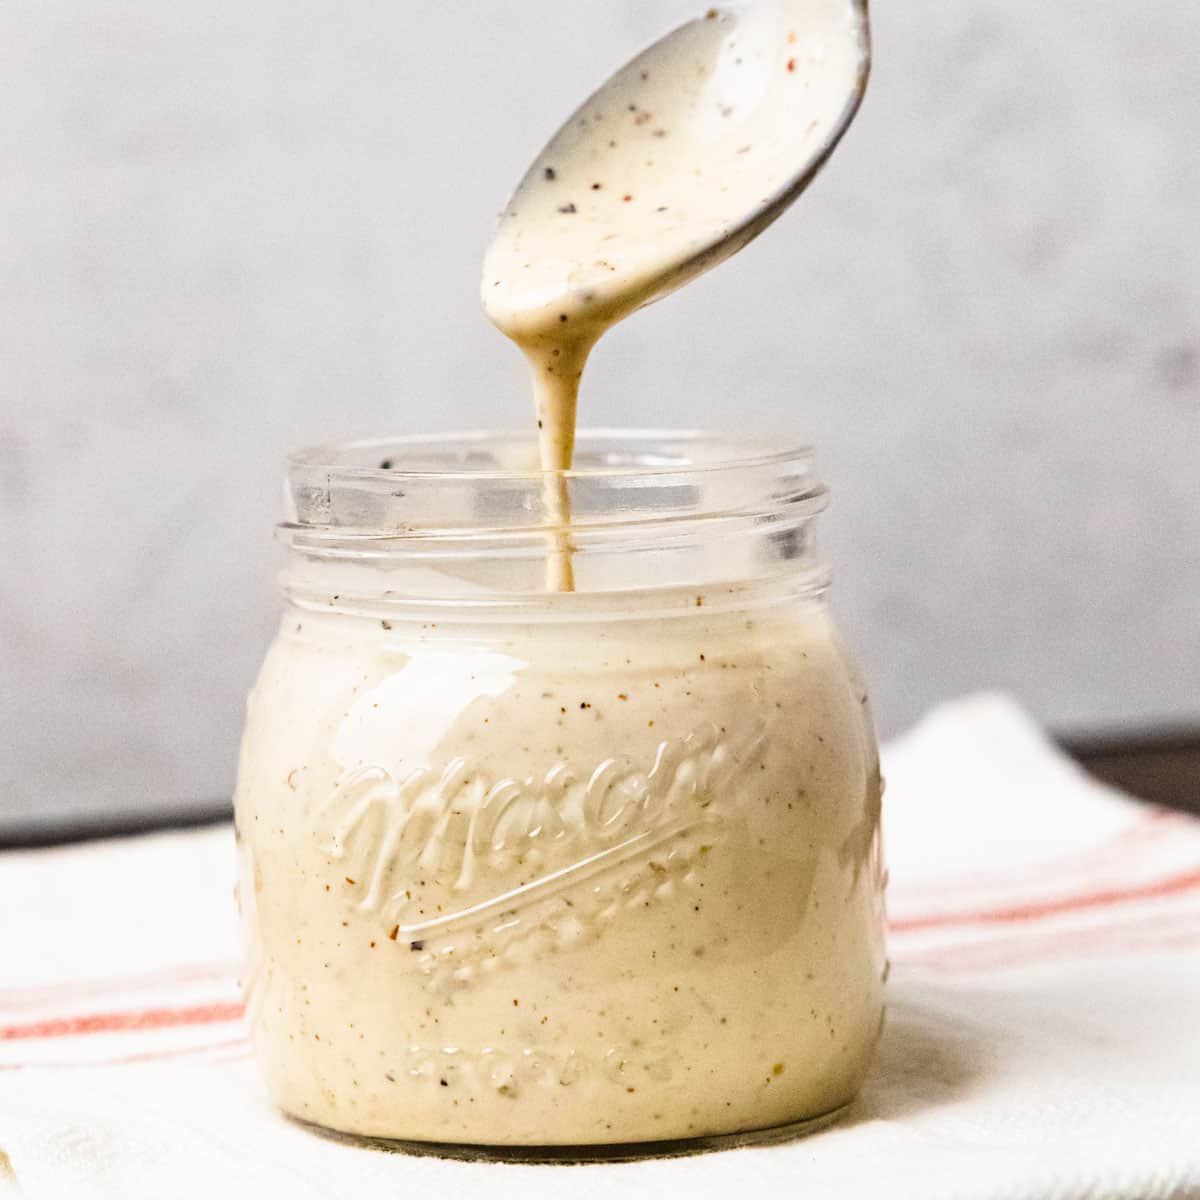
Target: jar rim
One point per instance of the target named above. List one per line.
(475, 512)
(725, 452)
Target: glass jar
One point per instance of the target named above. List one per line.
(528, 868)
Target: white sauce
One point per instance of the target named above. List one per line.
(443, 880)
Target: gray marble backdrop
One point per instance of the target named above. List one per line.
(227, 228)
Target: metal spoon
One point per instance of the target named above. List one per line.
(686, 153)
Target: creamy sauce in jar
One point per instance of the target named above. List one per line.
(562, 883)
(546, 875)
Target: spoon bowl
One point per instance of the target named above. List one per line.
(678, 161)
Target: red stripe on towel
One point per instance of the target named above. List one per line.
(120, 1022)
(1173, 885)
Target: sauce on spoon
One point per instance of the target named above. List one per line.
(680, 159)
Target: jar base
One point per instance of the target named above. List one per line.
(599, 1153)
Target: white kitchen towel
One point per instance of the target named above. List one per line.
(1043, 1037)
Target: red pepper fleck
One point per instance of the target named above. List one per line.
(791, 64)
(627, 199)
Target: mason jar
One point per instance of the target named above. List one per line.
(531, 868)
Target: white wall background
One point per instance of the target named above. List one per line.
(226, 229)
